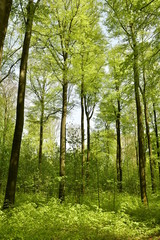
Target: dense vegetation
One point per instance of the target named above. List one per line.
(79, 148)
(35, 217)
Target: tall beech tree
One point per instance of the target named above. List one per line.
(89, 62)
(139, 116)
(66, 27)
(152, 69)
(91, 93)
(40, 94)
(157, 137)
(117, 75)
(146, 114)
(82, 126)
(90, 36)
(119, 152)
(90, 86)
(115, 98)
(44, 106)
(70, 23)
(14, 160)
(60, 44)
(127, 23)
(5, 9)
(89, 102)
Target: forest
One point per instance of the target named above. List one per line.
(79, 119)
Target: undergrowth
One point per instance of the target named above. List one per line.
(34, 218)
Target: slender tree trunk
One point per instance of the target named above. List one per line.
(41, 134)
(136, 147)
(14, 160)
(152, 164)
(63, 142)
(3, 141)
(89, 110)
(88, 148)
(98, 184)
(157, 138)
(118, 158)
(140, 128)
(5, 9)
(82, 137)
(107, 148)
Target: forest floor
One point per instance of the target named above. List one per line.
(36, 218)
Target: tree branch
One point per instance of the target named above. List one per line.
(54, 54)
(25, 21)
(9, 71)
(125, 30)
(146, 5)
(51, 114)
(11, 54)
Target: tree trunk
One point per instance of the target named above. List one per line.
(5, 9)
(118, 158)
(140, 129)
(152, 164)
(157, 138)
(107, 148)
(136, 146)
(41, 134)
(63, 141)
(88, 148)
(89, 110)
(14, 160)
(82, 137)
(98, 184)
(3, 141)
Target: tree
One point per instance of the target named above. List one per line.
(5, 9)
(157, 137)
(7, 109)
(145, 102)
(89, 64)
(60, 44)
(118, 75)
(14, 160)
(89, 110)
(46, 91)
(131, 23)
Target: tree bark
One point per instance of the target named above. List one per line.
(157, 138)
(82, 136)
(136, 146)
(118, 157)
(41, 133)
(89, 110)
(107, 148)
(88, 148)
(151, 160)
(14, 160)
(5, 9)
(63, 140)
(140, 128)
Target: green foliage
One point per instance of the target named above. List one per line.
(72, 29)
(29, 180)
(7, 115)
(39, 219)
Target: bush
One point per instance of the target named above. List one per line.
(38, 219)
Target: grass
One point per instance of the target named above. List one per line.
(34, 218)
